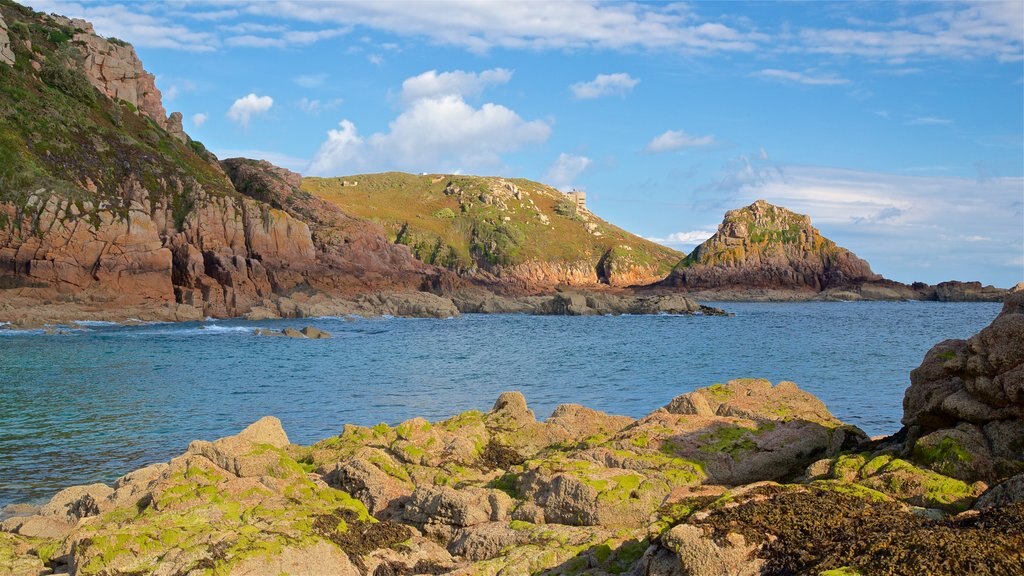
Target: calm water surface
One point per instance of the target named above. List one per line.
(100, 402)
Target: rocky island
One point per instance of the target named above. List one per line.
(743, 477)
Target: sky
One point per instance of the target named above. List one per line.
(897, 126)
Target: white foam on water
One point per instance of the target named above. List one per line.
(94, 323)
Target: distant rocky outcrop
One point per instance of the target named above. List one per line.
(765, 246)
(964, 410)
(768, 253)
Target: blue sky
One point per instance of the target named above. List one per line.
(899, 127)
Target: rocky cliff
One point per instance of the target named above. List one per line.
(513, 234)
(108, 209)
(765, 246)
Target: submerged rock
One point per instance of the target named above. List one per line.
(309, 332)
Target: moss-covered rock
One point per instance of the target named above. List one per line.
(903, 481)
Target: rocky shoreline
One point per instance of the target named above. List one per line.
(736, 478)
(15, 314)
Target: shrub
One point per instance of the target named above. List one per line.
(61, 72)
(445, 214)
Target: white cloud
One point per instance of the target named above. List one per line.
(199, 119)
(800, 77)
(248, 106)
(604, 85)
(929, 228)
(676, 139)
(430, 84)
(684, 239)
(375, 59)
(310, 80)
(565, 169)
(438, 134)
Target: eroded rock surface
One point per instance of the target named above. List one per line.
(964, 410)
(479, 493)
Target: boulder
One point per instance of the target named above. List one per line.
(964, 409)
(17, 555)
(73, 504)
(457, 507)
(363, 479)
(697, 554)
(754, 399)
(254, 452)
(1005, 493)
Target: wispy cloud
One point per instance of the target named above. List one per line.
(618, 84)
(565, 169)
(950, 30)
(287, 39)
(928, 121)
(676, 139)
(199, 119)
(800, 77)
(310, 80)
(314, 106)
(482, 26)
(989, 30)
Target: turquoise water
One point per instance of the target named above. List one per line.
(102, 401)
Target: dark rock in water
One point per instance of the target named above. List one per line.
(964, 410)
(314, 333)
(310, 332)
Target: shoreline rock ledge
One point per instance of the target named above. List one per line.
(743, 477)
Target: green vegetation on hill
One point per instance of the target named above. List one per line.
(471, 222)
(59, 133)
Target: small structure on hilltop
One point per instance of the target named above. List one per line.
(579, 197)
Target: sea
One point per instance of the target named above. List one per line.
(105, 399)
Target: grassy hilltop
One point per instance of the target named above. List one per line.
(471, 223)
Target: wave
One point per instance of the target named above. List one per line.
(96, 323)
